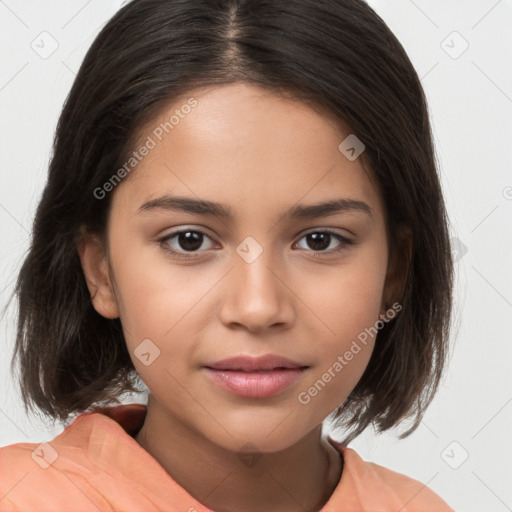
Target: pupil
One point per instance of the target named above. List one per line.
(190, 240)
(323, 238)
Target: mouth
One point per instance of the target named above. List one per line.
(251, 377)
(269, 362)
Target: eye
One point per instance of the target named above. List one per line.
(184, 241)
(320, 240)
(188, 241)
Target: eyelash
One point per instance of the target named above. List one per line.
(163, 242)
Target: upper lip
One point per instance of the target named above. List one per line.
(249, 363)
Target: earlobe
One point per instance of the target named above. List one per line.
(94, 262)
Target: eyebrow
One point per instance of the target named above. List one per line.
(301, 211)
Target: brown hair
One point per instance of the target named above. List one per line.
(338, 54)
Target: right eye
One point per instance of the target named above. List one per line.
(184, 242)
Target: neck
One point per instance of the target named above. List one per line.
(300, 478)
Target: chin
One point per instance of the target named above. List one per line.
(254, 438)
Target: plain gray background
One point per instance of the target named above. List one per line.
(462, 51)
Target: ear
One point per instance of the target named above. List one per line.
(398, 268)
(94, 260)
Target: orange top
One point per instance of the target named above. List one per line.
(95, 464)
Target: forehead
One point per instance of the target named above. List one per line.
(247, 147)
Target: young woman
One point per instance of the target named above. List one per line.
(243, 212)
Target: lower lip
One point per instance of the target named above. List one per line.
(255, 384)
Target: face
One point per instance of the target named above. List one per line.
(193, 288)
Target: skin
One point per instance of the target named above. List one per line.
(260, 154)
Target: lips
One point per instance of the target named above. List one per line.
(255, 377)
(267, 362)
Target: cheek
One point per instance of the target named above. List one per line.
(159, 301)
(347, 297)
(350, 309)
(347, 300)
(142, 288)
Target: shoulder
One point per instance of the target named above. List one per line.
(45, 476)
(414, 494)
(387, 486)
(20, 460)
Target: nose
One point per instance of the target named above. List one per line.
(256, 295)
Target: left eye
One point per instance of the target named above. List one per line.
(321, 240)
